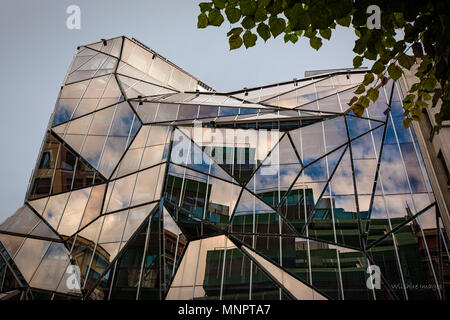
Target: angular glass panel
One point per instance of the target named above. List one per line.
(125, 279)
(73, 212)
(55, 208)
(188, 283)
(135, 88)
(110, 46)
(29, 256)
(11, 243)
(53, 266)
(23, 221)
(174, 245)
(60, 170)
(296, 288)
(277, 172)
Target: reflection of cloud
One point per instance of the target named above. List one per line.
(74, 211)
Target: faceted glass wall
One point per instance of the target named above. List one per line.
(149, 187)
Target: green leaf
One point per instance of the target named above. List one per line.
(353, 100)
(372, 94)
(414, 87)
(406, 61)
(364, 101)
(406, 123)
(378, 68)
(260, 15)
(394, 71)
(277, 25)
(235, 32)
(220, 4)
(357, 61)
(205, 6)
(263, 31)
(293, 38)
(235, 42)
(360, 89)
(429, 84)
(344, 21)
(358, 109)
(422, 104)
(360, 46)
(233, 14)
(425, 95)
(248, 23)
(368, 78)
(325, 33)
(248, 7)
(315, 43)
(202, 21)
(249, 39)
(215, 18)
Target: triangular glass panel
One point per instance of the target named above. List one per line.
(299, 204)
(60, 170)
(79, 99)
(368, 146)
(23, 221)
(174, 246)
(110, 46)
(319, 138)
(149, 148)
(187, 153)
(277, 173)
(359, 126)
(192, 226)
(136, 189)
(29, 256)
(253, 215)
(44, 231)
(206, 197)
(52, 268)
(335, 218)
(330, 104)
(100, 64)
(296, 288)
(11, 243)
(105, 135)
(221, 271)
(135, 88)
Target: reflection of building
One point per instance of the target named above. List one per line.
(59, 170)
(299, 214)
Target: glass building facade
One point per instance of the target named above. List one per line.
(151, 185)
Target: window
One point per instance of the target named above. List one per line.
(41, 186)
(45, 160)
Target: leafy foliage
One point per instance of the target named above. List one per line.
(422, 26)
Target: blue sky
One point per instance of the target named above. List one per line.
(37, 49)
